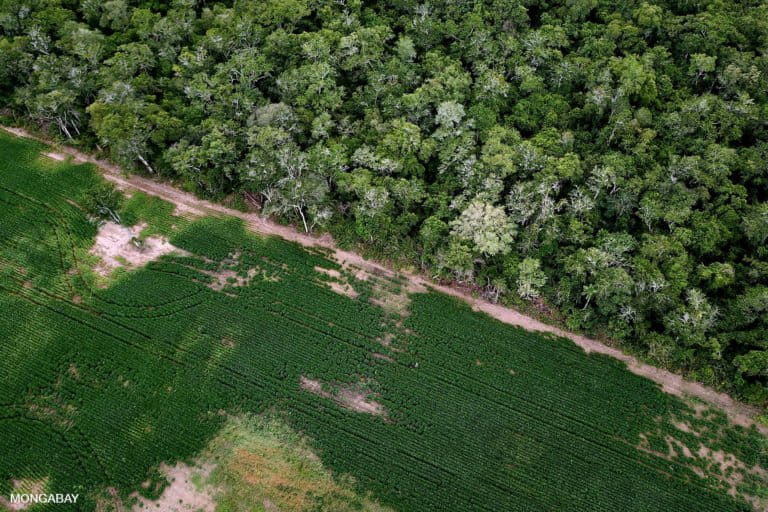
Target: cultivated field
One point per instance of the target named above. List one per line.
(180, 362)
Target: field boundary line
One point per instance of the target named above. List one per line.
(669, 382)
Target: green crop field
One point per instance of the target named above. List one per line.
(102, 379)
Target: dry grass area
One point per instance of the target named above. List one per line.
(109, 501)
(225, 277)
(266, 464)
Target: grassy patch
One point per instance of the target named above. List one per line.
(155, 212)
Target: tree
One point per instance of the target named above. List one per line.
(755, 224)
(103, 201)
(129, 125)
(59, 107)
(753, 363)
(486, 227)
(457, 259)
(128, 61)
(80, 41)
(530, 278)
(292, 182)
(15, 62)
(701, 65)
(693, 322)
(213, 162)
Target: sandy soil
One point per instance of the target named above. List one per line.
(337, 283)
(181, 495)
(114, 246)
(56, 156)
(671, 383)
(335, 274)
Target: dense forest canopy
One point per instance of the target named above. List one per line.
(607, 159)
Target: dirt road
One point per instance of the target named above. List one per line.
(737, 412)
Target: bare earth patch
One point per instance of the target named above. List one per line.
(181, 495)
(707, 463)
(343, 289)
(224, 278)
(353, 398)
(229, 274)
(387, 294)
(24, 486)
(119, 246)
(108, 501)
(335, 274)
(390, 291)
(737, 412)
(56, 156)
(185, 210)
(338, 283)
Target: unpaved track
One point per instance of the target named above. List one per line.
(739, 413)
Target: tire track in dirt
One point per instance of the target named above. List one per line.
(186, 203)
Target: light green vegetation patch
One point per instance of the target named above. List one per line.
(102, 387)
(156, 213)
(260, 464)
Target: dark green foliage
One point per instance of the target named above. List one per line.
(103, 202)
(98, 390)
(154, 211)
